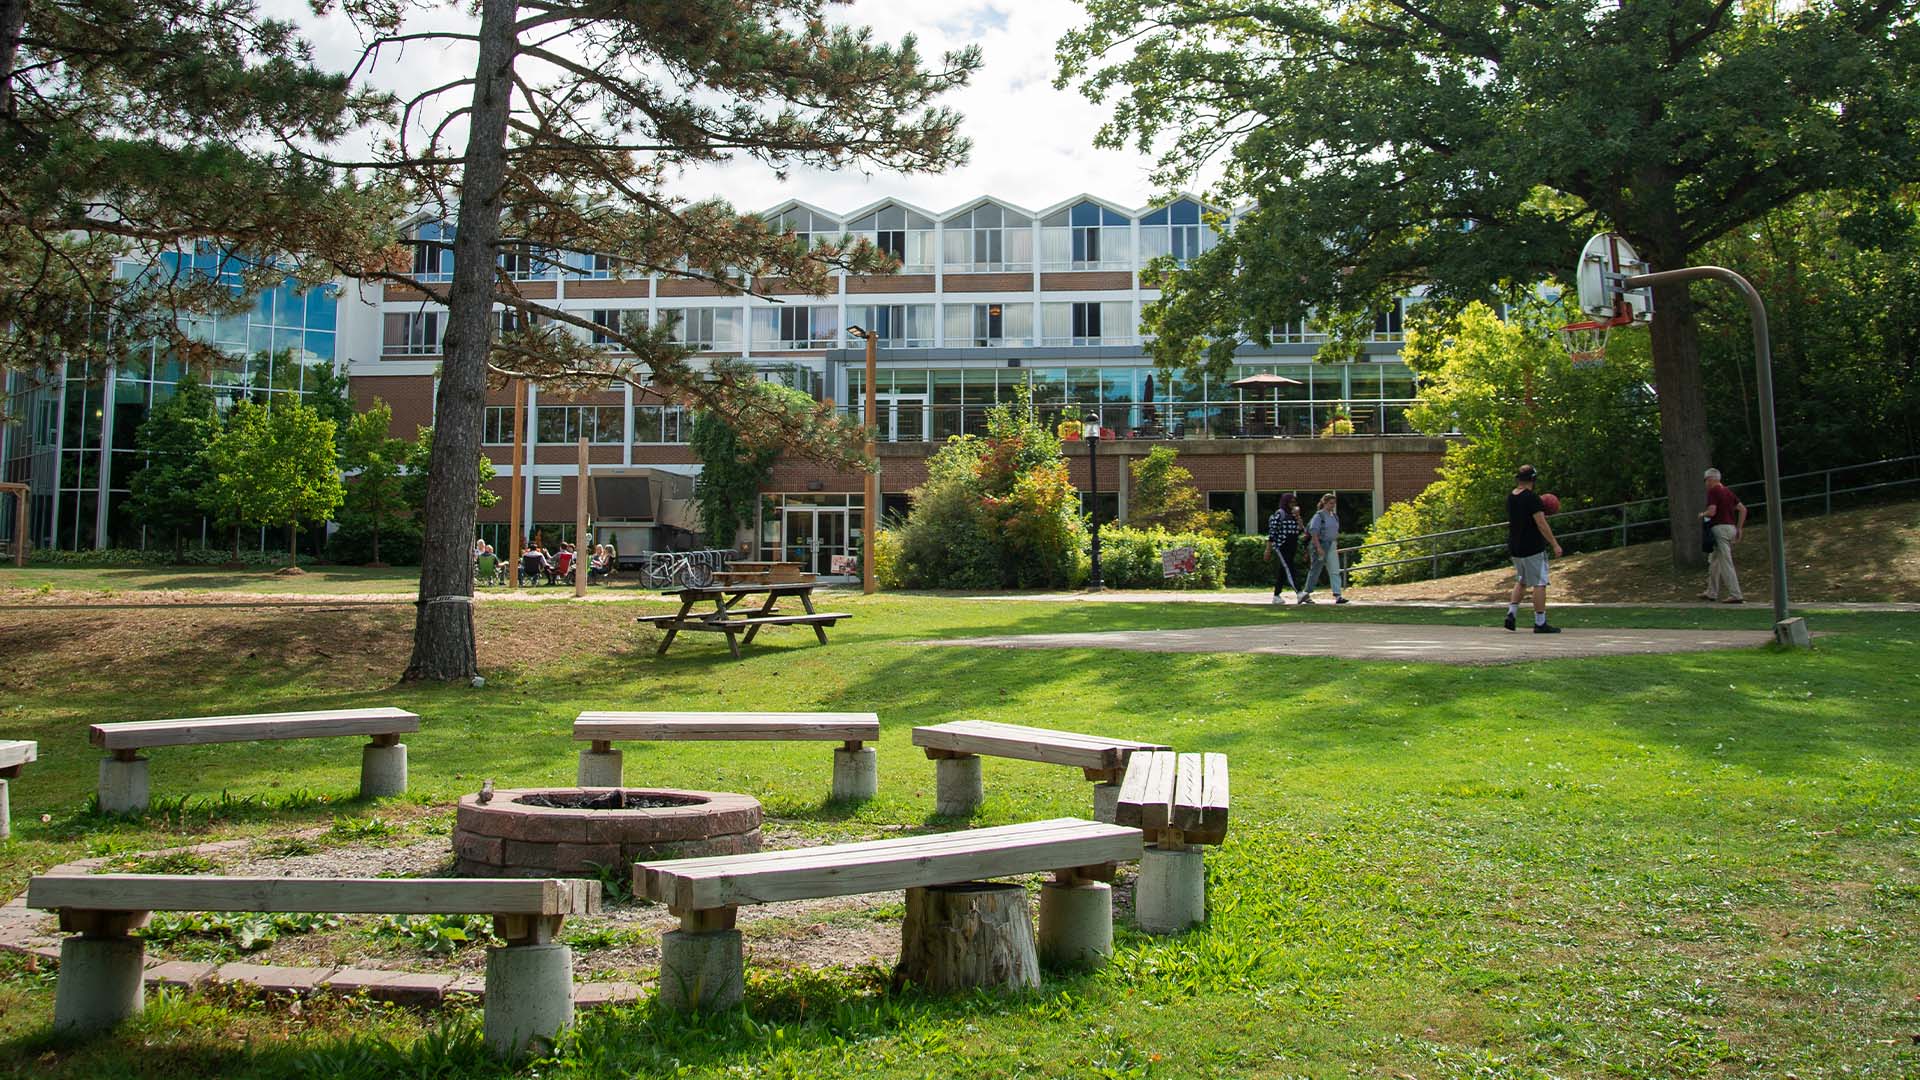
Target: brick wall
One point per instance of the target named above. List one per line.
(1313, 472)
(685, 287)
(611, 288)
(1409, 474)
(410, 397)
(1087, 280)
(965, 283)
(897, 283)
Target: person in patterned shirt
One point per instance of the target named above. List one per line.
(1283, 543)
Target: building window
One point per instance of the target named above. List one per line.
(1297, 332)
(704, 329)
(411, 333)
(496, 426)
(1105, 322)
(988, 238)
(1389, 323)
(901, 233)
(792, 327)
(1175, 231)
(564, 424)
(659, 424)
(900, 326)
(524, 263)
(589, 265)
(808, 228)
(615, 321)
(1086, 237)
(432, 252)
(983, 325)
(508, 320)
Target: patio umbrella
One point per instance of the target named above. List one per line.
(1147, 415)
(1266, 378)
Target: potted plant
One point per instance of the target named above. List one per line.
(1069, 430)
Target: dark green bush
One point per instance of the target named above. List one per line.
(1130, 559)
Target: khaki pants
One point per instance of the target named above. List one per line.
(1723, 582)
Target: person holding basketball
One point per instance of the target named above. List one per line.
(1528, 537)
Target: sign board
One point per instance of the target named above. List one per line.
(1177, 562)
(843, 564)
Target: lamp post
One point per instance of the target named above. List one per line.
(1091, 436)
(868, 511)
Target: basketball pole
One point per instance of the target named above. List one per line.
(1769, 440)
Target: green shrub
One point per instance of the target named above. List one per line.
(1247, 563)
(155, 557)
(1130, 559)
(352, 542)
(886, 559)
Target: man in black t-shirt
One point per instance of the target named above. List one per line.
(1528, 537)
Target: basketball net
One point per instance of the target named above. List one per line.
(1586, 342)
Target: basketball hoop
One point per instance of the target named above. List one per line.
(1586, 342)
(1601, 275)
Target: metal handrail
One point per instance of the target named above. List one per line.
(1627, 522)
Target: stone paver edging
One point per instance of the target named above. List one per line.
(20, 934)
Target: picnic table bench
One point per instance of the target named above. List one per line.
(741, 626)
(1178, 801)
(957, 746)
(123, 774)
(958, 933)
(855, 765)
(14, 754)
(529, 980)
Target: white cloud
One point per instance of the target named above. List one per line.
(1032, 144)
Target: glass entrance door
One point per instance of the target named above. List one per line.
(813, 536)
(903, 417)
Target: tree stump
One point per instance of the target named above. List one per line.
(961, 937)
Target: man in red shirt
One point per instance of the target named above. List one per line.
(1728, 517)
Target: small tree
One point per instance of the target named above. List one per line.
(1164, 497)
(167, 490)
(733, 468)
(376, 500)
(275, 466)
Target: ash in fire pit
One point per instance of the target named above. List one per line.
(616, 799)
(573, 832)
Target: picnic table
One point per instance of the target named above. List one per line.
(741, 624)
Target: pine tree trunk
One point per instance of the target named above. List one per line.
(1686, 447)
(443, 639)
(969, 936)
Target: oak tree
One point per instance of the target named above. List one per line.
(1471, 145)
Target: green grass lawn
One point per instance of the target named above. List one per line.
(1698, 865)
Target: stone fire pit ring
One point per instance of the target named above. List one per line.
(512, 835)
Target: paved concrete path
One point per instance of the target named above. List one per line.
(1262, 598)
(1386, 641)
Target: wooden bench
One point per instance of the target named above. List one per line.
(529, 993)
(14, 755)
(959, 933)
(856, 773)
(123, 775)
(956, 749)
(731, 618)
(1178, 801)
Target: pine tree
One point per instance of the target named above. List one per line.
(579, 115)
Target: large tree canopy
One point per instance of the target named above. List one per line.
(1470, 146)
(129, 128)
(563, 135)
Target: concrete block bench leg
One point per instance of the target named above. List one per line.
(1171, 891)
(123, 783)
(957, 788)
(383, 768)
(856, 772)
(529, 999)
(1076, 923)
(600, 766)
(701, 964)
(102, 972)
(6, 813)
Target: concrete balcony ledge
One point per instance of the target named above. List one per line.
(1339, 444)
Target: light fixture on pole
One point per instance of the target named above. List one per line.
(868, 514)
(1091, 436)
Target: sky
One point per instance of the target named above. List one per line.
(1032, 144)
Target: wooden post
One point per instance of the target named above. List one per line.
(580, 553)
(968, 936)
(514, 499)
(870, 515)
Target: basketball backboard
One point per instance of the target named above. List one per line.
(1604, 263)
